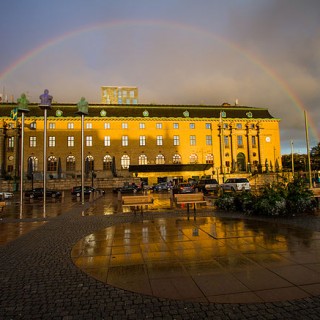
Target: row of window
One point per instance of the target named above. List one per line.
(107, 161)
(142, 125)
(142, 141)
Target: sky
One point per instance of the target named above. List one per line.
(261, 53)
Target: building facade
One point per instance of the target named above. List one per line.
(119, 95)
(152, 142)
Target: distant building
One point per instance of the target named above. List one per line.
(119, 95)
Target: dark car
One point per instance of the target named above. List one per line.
(162, 186)
(76, 191)
(130, 188)
(184, 188)
(207, 186)
(39, 193)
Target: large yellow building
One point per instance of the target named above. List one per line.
(153, 142)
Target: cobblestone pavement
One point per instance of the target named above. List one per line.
(39, 280)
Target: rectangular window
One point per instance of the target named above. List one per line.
(159, 125)
(208, 125)
(52, 125)
(70, 125)
(240, 141)
(159, 141)
(125, 141)
(254, 141)
(176, 126)
(124, 125)
(32, 142)
(107, 141)
(226, 142)
(209, 140)
(142, 125)
(131, 94)
(10, 143)
(89, 125)
(142, 140)
(192, 125)
(239, 125)
(89, 141)
(70, 141)
(52, 141)
(192, 140)
(107, 125)
(176, 140)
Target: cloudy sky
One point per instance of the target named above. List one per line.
(263, 53)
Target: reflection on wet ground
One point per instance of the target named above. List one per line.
(210, 259)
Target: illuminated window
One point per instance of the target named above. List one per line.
(176, 158)
(89, 163)
(142, 140)
(52, 163)
(125, 161)
(192, 140)
(143, 159)
(176, 140)
(142, 125)
(107, 125)
(209, 158)
(89, 141)
(10, 143)
(70, 125)
(107, 162)
(89, 125)
(124, 125)
(52, 141)
(52, 125)
(176, 126)
(159, 140)
(107, 141)
(193, 158)
(125, 141)
(70, 141)
(34, 163)
(32, 142)
(209, 140)
(160, 159)
(159, 125)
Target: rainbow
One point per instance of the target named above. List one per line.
(169, 24)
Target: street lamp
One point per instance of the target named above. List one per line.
(83, 107)
(45, 105)
(22, 108)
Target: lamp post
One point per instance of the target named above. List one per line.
(45, 105)
(292, 160)
(83, 107)
(22, 108)
(308, 149)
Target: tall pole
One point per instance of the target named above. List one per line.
(82, 158)
(21, 163)
(308, 148)
(292, 160)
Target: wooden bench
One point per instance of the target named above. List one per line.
(190, 198)
(136, 202)
(2, 205)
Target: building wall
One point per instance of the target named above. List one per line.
(119, 95)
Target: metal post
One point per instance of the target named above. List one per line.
(308, 148)
(292, 160)
(82, 158)
(44, 160)
(21, 162)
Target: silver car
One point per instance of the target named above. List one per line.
(6, 195)
(236, 184)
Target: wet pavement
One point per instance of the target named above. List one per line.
(94, 261)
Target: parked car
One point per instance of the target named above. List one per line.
(236, 184)
(76, 191)
(39, 193)
(128, 188)
(162, 186)
(207, 186)
(184, 188)
(6, 195)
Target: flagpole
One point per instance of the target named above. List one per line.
(308, 148)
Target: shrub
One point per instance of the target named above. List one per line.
(274, 200)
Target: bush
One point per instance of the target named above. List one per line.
(274, 200)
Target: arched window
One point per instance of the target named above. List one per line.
(193, 158)
(176, 158)
(160, 159)
(89, 163)
(107, 162)
(125, 161)
(209, 158)
(71, 163)
(143, 159)
(52, 163)
(34, 163)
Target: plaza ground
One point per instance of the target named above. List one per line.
(94, 261)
